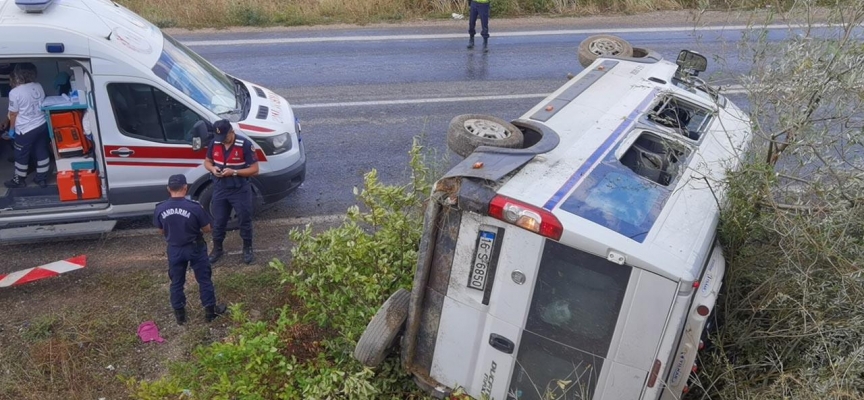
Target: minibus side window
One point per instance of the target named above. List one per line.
(687, 119)
(145, 112)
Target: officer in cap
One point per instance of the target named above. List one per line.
(231, 161)
(183, 223)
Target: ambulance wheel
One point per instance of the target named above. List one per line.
(206, 197)
(380, 335)
(602, 45)
(469, 131)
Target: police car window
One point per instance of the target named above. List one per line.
(686, 119)
(145, 112)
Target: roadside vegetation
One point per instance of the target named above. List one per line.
(341, 277)
(226, 13)
(793, 309)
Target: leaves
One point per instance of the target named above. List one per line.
(793, 307)
(342, 275)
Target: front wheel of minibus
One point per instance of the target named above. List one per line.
(381, 333)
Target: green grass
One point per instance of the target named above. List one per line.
(79, 338)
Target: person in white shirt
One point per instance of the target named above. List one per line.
(28, 126)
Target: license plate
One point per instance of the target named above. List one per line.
(480, 267)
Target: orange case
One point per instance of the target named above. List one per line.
(79, 185)
(69, 134)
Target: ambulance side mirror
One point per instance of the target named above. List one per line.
(201, 135)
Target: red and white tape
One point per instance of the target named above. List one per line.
(43, 271)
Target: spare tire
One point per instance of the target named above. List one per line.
(469, 131)
(380, 334)
(602, 45)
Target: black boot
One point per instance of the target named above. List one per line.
(180, 316)
(216, 253)
(248, 256)
(471, 42)
(15, 182)
(211, 312)
(485, 45)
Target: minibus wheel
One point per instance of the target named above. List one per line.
(639, 52)
(469, 131)
(600, 46)
(380, 335)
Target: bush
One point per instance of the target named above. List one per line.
(793, 305)
(342, 275)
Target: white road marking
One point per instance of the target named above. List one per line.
(286, 40)
(731, 89)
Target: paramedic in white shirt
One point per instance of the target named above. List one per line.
(28, 126)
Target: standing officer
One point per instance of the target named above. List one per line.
(232, 161)
(183, 222)
(479, 8)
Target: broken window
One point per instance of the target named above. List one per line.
(686, 119)
(655, 158)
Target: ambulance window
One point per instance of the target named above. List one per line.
(145, 112)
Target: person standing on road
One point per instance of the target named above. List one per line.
(27, 126)
(183, 223)
(479, 8)
(232, 161)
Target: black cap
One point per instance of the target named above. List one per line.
(176, 182)
(221, 127)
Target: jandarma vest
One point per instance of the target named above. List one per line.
(233, 157)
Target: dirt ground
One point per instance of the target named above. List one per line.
(75, 336)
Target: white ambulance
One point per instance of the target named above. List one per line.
(573, 254)
(144, 102)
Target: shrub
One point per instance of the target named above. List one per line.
(342, 275)
(793, 308)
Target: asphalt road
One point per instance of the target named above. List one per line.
(400, 77)
(362, 94)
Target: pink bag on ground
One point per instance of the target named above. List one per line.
(149, 332)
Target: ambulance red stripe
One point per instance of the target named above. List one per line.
(254, 128)
(152, 164)
(185, 153)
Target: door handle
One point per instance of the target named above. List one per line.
(501, 343)
(122, 152)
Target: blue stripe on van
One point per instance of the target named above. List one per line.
(595, 157)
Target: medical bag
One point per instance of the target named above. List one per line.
(69, 135)
(79, 185)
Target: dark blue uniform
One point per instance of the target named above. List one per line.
(182, 220)
(479, 9)
(232, 191)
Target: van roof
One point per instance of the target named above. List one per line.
(605, 206)
(93, 23)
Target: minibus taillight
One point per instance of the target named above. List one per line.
(525, 216)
